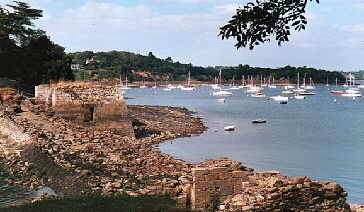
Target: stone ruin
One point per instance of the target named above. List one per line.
(9, 96)
(227, 188)
(89, 104)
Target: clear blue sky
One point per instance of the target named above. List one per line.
(186, 30)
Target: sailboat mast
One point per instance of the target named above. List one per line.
(189, 78)
(126, 79)
(220, 77)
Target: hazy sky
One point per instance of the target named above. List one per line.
(187, 30)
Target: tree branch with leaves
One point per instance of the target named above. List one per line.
(260, 21)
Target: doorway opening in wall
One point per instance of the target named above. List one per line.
(88, 113)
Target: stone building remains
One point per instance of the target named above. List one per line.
(91, 104)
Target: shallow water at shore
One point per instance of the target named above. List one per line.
(315, 137)
(11, 194)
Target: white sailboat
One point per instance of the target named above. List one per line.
(352, 91)
(167, 89)
(219, 91)
(299, 97)
(298, 89)
(311, 86)
(126, 84)
(282, 99)
(271, 85)
(233, 87)
(188, 88)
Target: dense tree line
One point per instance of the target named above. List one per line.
(116, 63)
(27, 54)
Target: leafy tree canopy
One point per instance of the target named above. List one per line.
(257, 22)
(16, 21)
(26, 53)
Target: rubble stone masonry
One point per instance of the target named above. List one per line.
(217, 182)
(90, 104)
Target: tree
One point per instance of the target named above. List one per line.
(169, 60)
(16, 22)
(257, 22)
(26, 53)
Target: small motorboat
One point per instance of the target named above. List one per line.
(187, 88)
(229, 128)
(351, 95)
(287, 87)
(234, 88)
(258, 95)
(222, 93)
(337, 92)
(280, 98)
(259, 121)
(299, 97)
(287, 92)
(221, 100)
(307, 94)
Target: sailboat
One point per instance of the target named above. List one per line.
(243, 84)
(221, 92)
(281, 99)
(288, 86)
(253, 88)
(336, 91)
(311, 86)
(263, 84)
(233, 87)
(126, 84)
(298, 89)
(188, 88)
(271, 85)
(346, 82)
(258, 95)
(352, 92)
(299, 97)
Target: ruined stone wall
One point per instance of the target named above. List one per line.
(88, 103)
(43, 93)
(226, 190)
(215, 184)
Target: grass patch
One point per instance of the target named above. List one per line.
(100, 204)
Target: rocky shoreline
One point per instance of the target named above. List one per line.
(38, 148)
(74, 160)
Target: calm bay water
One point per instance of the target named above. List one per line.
(315, 137)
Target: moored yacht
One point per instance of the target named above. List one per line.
(280, 98)
(222, 93)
